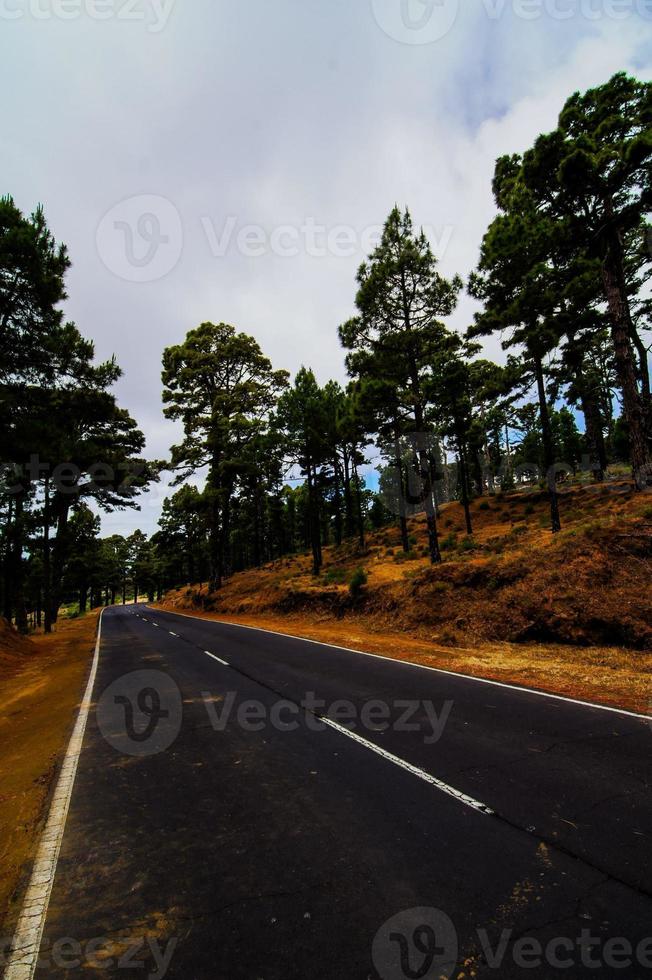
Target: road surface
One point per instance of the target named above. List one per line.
(441, 826)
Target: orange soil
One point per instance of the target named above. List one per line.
(570, 613)
(41, 685)
(604, 675)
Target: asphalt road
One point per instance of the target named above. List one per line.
(219, 829)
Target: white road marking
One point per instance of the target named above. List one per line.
(219, 660)
(26, 943)
(414, 770)
(173, 634)
(436, 670)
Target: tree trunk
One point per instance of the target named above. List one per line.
(548, 446)
(62, 505)
(463, 468)
(621, 331)
(337, 501)
(215, 546)
(464, 489)
(358, 496)
(47, 578)
(313, 521)
(644, 372)
(18, 568)
(7, 556)
(348, 502)
(402, 501)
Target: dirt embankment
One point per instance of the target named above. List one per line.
(570, 613)
(41, 684)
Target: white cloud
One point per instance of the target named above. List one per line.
(274, 114)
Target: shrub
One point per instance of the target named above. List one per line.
(335, 576)
(467, 544)
(529, 509)
(358, 582)
(484, 505)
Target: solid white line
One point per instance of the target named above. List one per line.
(436, 670)
(414, 770)
(29, 930)
(219, 660)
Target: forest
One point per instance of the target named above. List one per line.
(269, 465)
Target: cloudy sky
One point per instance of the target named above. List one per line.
(231, 160)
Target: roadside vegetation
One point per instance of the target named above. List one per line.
(512, 581)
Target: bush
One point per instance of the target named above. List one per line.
(358, 582)
(484, 505)
(529, 509)
(335, 576)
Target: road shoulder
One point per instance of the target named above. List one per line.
(41, 686)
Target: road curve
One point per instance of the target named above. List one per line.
(251, 805)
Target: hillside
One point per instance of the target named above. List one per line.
(513, 581)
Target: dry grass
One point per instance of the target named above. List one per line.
(570, 613)
(41, 683)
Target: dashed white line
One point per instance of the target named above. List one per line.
(414, 770)
(219, 659)
(26, 943)
(173, 634)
